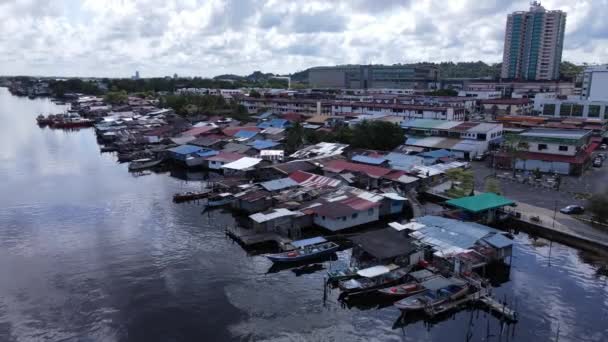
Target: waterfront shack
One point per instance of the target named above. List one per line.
(285, 222)
(241, 166)
(382, 247)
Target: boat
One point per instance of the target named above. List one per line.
(72, 122)
(439, 290)
(411, 287)
(43, 121)
(220, 199)
(142, 164)
(190, 196)
(341, 274)
(403, 290)
(373, 278)
(307, 249)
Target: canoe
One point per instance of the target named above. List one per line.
(308, 249)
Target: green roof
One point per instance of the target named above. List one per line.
(481, 202)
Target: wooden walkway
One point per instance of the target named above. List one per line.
(249, 237)
(480, 296)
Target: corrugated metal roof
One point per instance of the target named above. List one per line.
(450, 236)
(338, 166)
(279, 184)
(498, 241)
(368, 160)
(312, 180)
(242, 164)
(555, 133)
(243, 134)
(436, 154)
(276, 213)
(481, 202)
(263, 144)
(185, 149)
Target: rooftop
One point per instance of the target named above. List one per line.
(481, 202)
(384, 244)
(573, 134)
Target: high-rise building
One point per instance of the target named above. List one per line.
(595, 83)
(534, 41)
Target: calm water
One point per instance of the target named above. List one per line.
(91, 253)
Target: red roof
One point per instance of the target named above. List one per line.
(226, 157)
(293, 117)
(199, 130)
(313, 180)
(339, 166)
(231, 131)
(345, 207)
(394, 175)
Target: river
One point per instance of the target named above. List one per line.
(89, 252)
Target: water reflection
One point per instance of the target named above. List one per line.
(89, 252)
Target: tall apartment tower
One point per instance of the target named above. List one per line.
(534, 41)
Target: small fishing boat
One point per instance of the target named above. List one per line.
(439, 290)
(373, 278)
(142, 164)
(403, 290)
(341, 274)
(190, 196)
(307, 249)
(43, 121)
(220, 199)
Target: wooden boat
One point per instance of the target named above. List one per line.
(220, 200)
(307, 249)
(373, 278)
(403, 290)
(438, 291)
(71, 122)
(344, 273)
(145, 163)
(43, 121)
(190, 196)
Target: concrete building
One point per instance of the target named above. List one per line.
(595, 83)
(571, 106)
(374, 76)
(523, 89)
(534, 42)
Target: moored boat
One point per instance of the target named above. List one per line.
(343, 273)
(190, 196)
(439, 290)
(220, 199)
(403, 290)
(142, 164)
(307, 249)
(373, 278)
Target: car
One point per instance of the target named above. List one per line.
(597, 162)
(603, 146)
(480, 157)
(601, 155)
(572, 209)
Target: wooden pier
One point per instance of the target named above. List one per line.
(249, 237)
(482, 296)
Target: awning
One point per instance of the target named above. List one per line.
(375, 271)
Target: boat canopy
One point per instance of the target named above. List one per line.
(308, 242)
(422, 274)
(375, 271)
(438, 283)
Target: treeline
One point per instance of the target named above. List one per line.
(373, 135)
(188, 105)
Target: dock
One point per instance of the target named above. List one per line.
(482, 296)
(249, 237)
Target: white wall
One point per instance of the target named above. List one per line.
(598, 91)
(552, 148)
(215, 165)
(339, 224)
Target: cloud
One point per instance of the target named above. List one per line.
(195, 37)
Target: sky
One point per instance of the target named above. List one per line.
(113, 38)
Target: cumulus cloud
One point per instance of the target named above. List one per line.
(209, 37)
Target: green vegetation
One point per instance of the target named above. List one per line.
(374, 135)
(73, 85)
(569, 71)
(598, 206)
(188, 105)
(492, 185)
(116, 97)
(462, 183)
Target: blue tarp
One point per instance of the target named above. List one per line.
(308, 242)
(245, 134)
(263, 144)
(185, 149)
(265, 115)
(368, 160)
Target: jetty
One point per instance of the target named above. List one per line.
(482, 297)
(248, 237)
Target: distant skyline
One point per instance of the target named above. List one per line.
(114, 38)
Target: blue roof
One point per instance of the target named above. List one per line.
(185, 149)
(436, 154)
(265, 115)
(368, 160)
(245, 134)
(498, 241)
(276, 123)
(262, 144)
(402, 161)
(441, 231)
(308, 242)
(207, 153)
(279, 184)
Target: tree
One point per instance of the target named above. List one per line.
(443, 92)
(377, 135)
(295, 137)
(117, 97)
(254, 93)
(463, 182)
(598, 206)
(492, 185)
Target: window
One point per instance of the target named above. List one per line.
(355, 215)
(343, 218)
(594, 111)
(563, 148)
(370, 212)
(323, 218)
(577, 110)
(542, 147)
(549, 109)
(565, 109)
